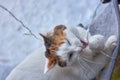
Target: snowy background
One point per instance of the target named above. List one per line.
(40, 16)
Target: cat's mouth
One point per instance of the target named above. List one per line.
(84, 44)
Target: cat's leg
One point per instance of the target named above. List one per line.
(101, 57)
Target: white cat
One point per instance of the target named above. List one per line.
(78, 58)
(81, 62)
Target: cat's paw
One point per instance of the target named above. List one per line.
(111, 42)
(96, 42)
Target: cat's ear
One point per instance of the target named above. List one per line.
(47, 41)
(44, 37)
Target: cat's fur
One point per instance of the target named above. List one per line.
(68, 60)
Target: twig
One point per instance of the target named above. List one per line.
(30, 32)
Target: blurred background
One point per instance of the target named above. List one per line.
(39, 16)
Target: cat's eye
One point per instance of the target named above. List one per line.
(68, 42)
(70, 56)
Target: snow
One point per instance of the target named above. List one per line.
(40, 16)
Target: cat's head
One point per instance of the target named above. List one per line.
(61, 46)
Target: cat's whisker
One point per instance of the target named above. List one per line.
(62, 72)
(104, 53)
(85, 59)
(83, 67)
(88, 66)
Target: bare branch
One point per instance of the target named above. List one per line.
(30, 32)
